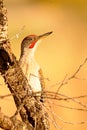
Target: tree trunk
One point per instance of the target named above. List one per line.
(31, 111)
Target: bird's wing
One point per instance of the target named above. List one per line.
(42, 83)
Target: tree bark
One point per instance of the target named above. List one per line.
(31, 111)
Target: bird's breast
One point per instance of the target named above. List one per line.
(34, 79)
(31, 71)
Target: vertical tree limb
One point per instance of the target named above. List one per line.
(3, 22)
(30, 109)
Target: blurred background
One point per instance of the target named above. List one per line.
(59, 55)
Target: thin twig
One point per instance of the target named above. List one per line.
(67, 122)
(38, 77)
(74, 75)
(4, 96)
(65, 81)
(73, 108)
(17, 35)
(61, 85)
(46, 108)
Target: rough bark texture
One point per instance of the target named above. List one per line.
(7, 123)
(3, 22)
(31, 111)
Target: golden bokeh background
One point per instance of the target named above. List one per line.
(59, 54)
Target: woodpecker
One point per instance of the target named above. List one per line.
(28, 64)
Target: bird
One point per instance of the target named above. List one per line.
(31, 69)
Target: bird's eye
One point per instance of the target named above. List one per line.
(30, 39)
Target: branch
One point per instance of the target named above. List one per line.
(31, 112)
(3, 22)
(8, 123)
(65, 81)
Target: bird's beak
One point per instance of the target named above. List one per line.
(44, 35)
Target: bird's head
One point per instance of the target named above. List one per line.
(31, 41)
